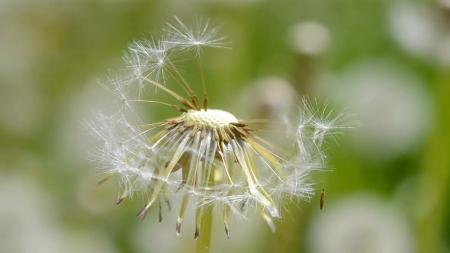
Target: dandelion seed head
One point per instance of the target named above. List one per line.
(206, 156)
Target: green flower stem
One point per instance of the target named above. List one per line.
(433, 194)
(204, 240)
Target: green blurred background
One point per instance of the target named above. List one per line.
(387, 62)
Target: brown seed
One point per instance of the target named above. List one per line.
(322, 199)
(160, 217)
(141, 215)
(178, 227)
(227, 231)
(197, 233)
(169, 206)
(119, 200)
(101, 181)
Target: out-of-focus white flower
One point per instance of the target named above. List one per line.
(360, 224)
(445, 4)
(23, 230)
(391, 104)
(422, 31)
(28, 224)
(270, 97)
(309, 38)
(204, 156)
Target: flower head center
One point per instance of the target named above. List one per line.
(211, 118)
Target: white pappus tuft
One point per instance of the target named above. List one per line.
(148, 59)
(206, 156)
(201, 35)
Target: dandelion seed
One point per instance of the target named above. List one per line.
(148, 59)
(206, 156)
(201, 35)
(322, 199)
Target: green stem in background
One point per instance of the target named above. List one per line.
(433, 196)
(204, 240)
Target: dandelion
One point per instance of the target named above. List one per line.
(361, 223)
(208, 157)
(309, 38)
